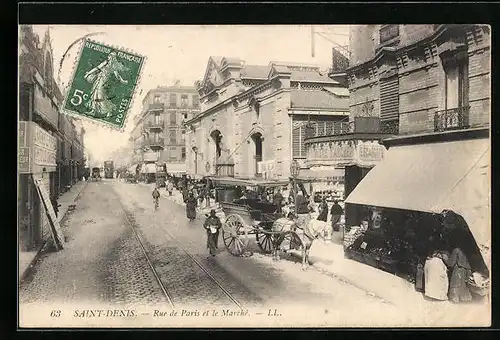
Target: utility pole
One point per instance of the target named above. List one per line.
(312, 41)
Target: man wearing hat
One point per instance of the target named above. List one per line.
(212, 225)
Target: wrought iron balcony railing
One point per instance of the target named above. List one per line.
(156, 107)
(155, 142)
(155, 124)
(451, 119)
(358, 125)
(390, 127)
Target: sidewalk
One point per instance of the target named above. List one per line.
(67, 199)
(329, 258)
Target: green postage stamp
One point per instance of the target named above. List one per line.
(103, 84)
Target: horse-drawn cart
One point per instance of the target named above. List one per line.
(246, 216)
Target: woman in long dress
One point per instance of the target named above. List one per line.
(99, 103)
(461, 270)
(436, 277)
(191, 207)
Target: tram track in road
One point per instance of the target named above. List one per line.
(150, 264)
(144, 245)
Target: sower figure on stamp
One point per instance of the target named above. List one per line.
(212, 225)
(99, 102)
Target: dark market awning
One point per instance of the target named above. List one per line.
(433, 177)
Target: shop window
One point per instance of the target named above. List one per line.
(173, 100)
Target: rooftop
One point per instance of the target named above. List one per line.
(318, 99)
(255, 71)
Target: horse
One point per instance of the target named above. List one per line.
(312, 231)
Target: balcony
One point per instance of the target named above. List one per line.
(155, 125)
(155, 143)
(358, 125)
(154, 107)
(451, 119)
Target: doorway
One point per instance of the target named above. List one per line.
(257, 139)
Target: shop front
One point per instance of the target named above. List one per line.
(423, 199)
(36, 161)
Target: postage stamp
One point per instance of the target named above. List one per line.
(103, 84)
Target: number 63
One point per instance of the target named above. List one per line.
(78, 97)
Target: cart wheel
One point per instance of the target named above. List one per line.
(265, 242)
(232, 233)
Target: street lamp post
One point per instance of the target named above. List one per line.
(295, 171)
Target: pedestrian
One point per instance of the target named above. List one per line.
(460, 268)
(185, 193)
(435, 277)
(336, 211)
(191, 207)
(212, 225)
(323, 211)
(278, 201)
(156, 196)
(170, 187)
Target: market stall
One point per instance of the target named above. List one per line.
(424, 208)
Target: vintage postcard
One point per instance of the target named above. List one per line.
(254, 176)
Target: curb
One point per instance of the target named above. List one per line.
(44, 243)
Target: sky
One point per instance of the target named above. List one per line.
(181, 53)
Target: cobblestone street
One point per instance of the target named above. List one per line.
(103, 263)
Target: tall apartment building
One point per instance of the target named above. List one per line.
(429, 87)
(159, 134)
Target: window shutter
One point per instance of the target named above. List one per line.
(389, 98)
(296, 141)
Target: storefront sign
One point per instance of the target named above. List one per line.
(22, 133)
(44, 147)
(371, 152)
(24, 160)
(341, 151)
(55, 227)
(45, 108)
(44, 156)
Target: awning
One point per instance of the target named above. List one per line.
(431, 178)
(176, 168)
(471, 199)
(321, 175)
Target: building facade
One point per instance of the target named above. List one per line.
(159, 128)
(254, 118)
(429, 86)
(50, 149)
